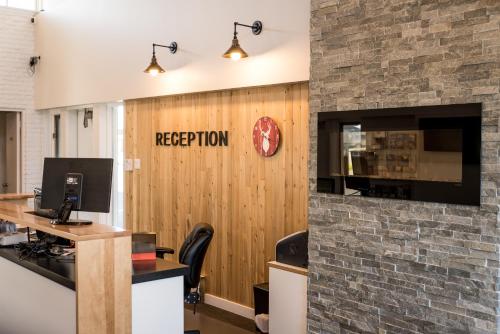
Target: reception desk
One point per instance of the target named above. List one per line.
(94, 294)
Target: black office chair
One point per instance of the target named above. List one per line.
(192, 254)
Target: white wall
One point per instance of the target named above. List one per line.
(17, 45)
(95, 51)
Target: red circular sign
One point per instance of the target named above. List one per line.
(266, 136)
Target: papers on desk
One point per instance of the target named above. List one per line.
(9, 239)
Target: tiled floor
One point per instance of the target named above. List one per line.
(211, 320)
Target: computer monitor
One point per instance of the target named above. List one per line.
(76, 184)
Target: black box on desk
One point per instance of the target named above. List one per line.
(144, 246)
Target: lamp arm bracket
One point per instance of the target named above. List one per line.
(172, 47)
(242, 25)
(256, 27)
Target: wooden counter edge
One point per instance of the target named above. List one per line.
(18, 214)
(287, 267)
(8, 197)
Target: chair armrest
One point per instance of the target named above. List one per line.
(161, 251)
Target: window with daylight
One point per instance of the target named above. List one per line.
(21, 4)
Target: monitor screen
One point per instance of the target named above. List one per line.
(96, 182)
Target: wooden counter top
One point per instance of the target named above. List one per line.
(287, 267)
(9, 197)
(17, 213)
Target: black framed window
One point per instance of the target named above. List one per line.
(427, 153)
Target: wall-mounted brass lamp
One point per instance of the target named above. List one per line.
(235, 52)
(154, 68)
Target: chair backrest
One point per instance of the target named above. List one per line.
(193, 252)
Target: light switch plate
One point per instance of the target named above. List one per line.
(137, 163)
(127, 165)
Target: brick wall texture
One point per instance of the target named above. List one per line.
(17, 45)
(387, 266)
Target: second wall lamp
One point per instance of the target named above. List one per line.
(154, 68)
(236, 52)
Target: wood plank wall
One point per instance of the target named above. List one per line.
(251, 201)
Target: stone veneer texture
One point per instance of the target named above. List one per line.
(386, 266)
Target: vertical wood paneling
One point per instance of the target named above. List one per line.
(250, 200)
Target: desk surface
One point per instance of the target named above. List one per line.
(145, 271)
(64, 272)
(17, 213)
(287, 267)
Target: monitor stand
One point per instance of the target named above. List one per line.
(73, 222)
(63, 214)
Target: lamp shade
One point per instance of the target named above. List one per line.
(153, 67)
(235, 52)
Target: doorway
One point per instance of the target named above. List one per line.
(10, 152)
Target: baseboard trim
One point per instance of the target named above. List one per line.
(230, 306)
